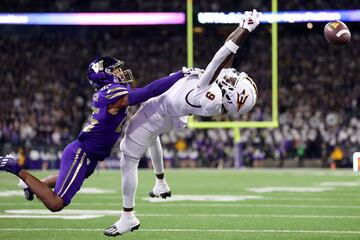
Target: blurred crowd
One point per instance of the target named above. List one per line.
(45, 94)
(169, 6)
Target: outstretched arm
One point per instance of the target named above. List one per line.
(140, 95)
(224, 56)
(153, 89)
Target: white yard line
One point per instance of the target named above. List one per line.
(342, 198)
(77, 217)
(247, 215)
(176, 204)
(192, 230)
(232, 205)
(309, 199)
(84, 214)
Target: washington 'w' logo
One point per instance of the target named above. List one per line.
(241, 99)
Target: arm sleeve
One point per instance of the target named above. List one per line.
(217, 63)
(153, 89)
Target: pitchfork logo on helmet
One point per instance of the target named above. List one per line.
(241, 99)
(106, 70)
(238, 90)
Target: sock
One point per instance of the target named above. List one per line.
(127, 214)
(129, 169)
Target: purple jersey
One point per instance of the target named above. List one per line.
(96, 140)
(103, 129)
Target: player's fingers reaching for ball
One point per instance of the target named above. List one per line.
(254, 12)
(250, 20)
(248, 13)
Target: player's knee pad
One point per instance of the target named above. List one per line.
(127, 161)
(131, 148)
(121, 145)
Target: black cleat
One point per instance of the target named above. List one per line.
(28, 194)
(165, 195)
(113, 232)
(152, 195)
(161, 189)
(162, 195)
(135, 228)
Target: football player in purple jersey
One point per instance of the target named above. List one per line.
(79, 159)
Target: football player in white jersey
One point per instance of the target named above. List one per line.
(217, 90)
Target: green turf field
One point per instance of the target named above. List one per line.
(312, 204)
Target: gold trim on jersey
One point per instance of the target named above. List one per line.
(91, 124)
(116, 89)
(75, 174)
(95, 110)
(72, 165)
(116, 95)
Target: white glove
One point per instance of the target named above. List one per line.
(192, 71)
(250, 20)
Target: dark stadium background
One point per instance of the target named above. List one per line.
(45, 95)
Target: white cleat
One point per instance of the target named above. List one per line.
(161, 189)
(127, 223)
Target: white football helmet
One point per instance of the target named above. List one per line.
(238, 90)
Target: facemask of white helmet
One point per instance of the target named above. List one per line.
(238, 90)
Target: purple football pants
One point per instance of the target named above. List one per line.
(74, 168)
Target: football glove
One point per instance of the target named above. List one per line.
(250, 20)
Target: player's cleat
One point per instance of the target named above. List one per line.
(161, 189)
(9, 164)
(127, 223)
(28, 194)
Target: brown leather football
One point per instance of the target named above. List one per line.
(337, 33)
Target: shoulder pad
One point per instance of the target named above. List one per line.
(109, 94)
(114, 91)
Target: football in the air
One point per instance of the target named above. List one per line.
(337, 33)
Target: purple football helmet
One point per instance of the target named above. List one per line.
(106, 70)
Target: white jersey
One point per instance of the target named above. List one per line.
(197, 95)
(185, 98)
(193, 95)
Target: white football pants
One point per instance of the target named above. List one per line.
(141, 134)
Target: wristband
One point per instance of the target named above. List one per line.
(231, 46)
